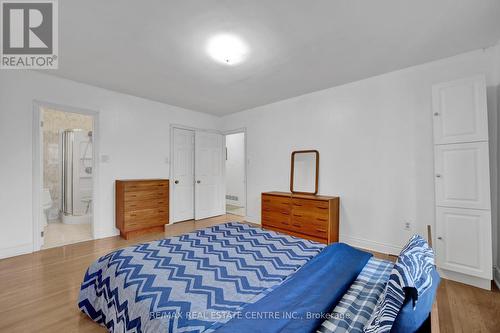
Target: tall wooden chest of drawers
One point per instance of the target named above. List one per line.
(313, 217)
(141, 206)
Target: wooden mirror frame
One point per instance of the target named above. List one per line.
(292, 170)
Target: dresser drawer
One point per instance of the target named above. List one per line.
(275, 201)
(276, 215)
(319, 221)
(134, 205)
(277, 208)
(311, 214)
(308, 204)
(277, 223)
(144, 195)
(145, 186)
(141, 214)
(143, 223)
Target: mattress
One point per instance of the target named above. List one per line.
(192, 282)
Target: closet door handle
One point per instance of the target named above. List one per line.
(198, 181)
(176, 181)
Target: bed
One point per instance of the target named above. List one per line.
(234, 277)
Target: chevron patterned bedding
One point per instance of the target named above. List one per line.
(191, 282)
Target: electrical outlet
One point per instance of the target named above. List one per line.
(407, 225)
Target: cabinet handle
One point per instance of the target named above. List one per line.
(438, 175)
(286, 223)
(324, 220)
(436, 114)
(440, 238)
(176, 182)
(320, 230)
(297, 225)
(321, 207)
(297, 215)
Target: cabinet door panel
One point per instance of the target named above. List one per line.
(462, 175)
(464, 241)
(460, 111)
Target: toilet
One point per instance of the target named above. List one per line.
(46, 205)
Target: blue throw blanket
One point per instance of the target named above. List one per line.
(192, 282)
(302, 302)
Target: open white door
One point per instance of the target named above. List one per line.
(182, 175)
(209, 173)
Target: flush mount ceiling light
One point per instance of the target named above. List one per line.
(227, 49)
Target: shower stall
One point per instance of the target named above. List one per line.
(76, 176)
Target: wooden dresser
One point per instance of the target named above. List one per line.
(313, 217)
(141, 206)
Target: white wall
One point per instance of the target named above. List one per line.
(375, 142)
(497, 245)
(134, 132)
(374, 138)
(235, 168)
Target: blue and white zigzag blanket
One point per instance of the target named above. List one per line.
(191, 282)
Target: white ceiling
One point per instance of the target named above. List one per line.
(156, 49)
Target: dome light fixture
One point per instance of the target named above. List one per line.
(227, 49)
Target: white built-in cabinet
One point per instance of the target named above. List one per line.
(462, 181)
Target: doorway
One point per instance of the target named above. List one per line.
(64, 175)
(235, 173)
(197, 174)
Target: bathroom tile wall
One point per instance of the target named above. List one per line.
(53, 123)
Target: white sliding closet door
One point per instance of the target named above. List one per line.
(182, 175)
(209, 175)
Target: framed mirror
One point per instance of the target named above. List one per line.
(304, 172)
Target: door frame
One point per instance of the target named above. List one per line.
(37, 165)
(171, 162)
(244, 131)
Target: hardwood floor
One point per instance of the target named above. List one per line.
(39, 291)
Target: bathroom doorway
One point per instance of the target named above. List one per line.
(66, 177)
(236, 173)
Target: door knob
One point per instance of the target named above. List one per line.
(176, 182)
(198, 181)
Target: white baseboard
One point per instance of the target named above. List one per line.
(371, 245)
(466, 279)
(496, 276)
(16, 250)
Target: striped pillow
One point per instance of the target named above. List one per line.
(410, 276)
